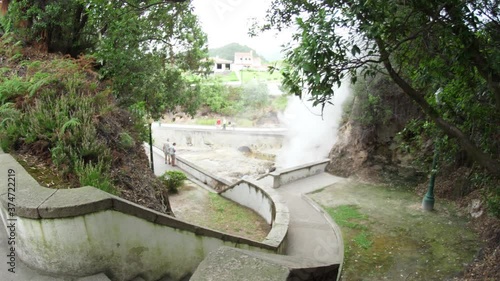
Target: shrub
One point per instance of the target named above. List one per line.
(126, 141)
(173, 180)
(94, 175)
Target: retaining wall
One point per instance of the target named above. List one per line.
(84, 231)
(198, 136)
(282, 177)
(267, 203)
(201, 174)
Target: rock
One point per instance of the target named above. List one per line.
(245, 149)
(474, 208)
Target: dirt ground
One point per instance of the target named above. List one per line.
(196, 205)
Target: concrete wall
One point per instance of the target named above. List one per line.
(282, 177)
(201, 136)
(202, 175)
(253, 197)
(267, 203)
(86, 231)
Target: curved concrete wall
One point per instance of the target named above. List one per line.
(267, 203)
(85, 231)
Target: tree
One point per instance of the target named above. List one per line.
(149, 50)
(131, 40)
(421, 45)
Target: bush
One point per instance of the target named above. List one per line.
(126, 141)
(94, 175)
(173, 180)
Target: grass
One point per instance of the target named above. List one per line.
(388, 237)
(227, 77)
(230, 217)
(249, 75)
(211, 210)
(206, 122)
(347, 216)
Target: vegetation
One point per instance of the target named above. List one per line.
(422, 46)
(131, 61)
(144, 47)
(251, 75)
(233, 101)
(386, 235)
(173, 180)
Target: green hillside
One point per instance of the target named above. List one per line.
(227, 51)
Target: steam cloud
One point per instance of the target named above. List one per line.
(310, 137)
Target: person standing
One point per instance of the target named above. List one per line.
(172, 154)
(166, 151)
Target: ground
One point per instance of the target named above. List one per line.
(196, 205)
(388, 236)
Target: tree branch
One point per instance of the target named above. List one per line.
(475, 153)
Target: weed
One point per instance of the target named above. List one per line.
(126, 141)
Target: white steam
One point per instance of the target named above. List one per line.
(310, 137)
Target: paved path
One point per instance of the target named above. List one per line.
(311, 233)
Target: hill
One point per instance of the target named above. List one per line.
(227, 51)
(62, 123)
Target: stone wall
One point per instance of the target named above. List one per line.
(85, 231)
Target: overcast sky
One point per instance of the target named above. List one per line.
(228, 21)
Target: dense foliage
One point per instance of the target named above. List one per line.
(425, 47)
(145, 47)
(234, 100)
(173, 180)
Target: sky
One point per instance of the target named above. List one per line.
(228, 21)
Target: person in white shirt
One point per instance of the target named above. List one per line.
(166, 150)
(172, 154)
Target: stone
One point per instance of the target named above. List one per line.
(231, 264)
(75, 202)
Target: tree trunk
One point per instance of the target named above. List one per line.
(5, 7)
(483, 159)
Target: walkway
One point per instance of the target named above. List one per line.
(311, 233)
(241, 130)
